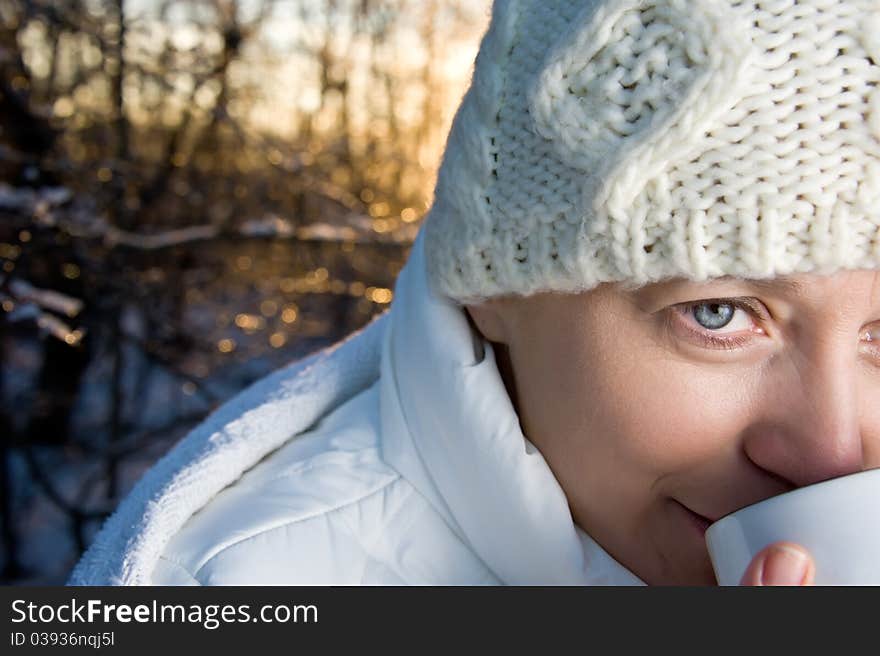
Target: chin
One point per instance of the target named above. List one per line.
(684, 563)
(684, 571)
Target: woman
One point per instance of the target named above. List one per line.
(647, 294)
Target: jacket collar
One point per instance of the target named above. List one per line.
(449, 427)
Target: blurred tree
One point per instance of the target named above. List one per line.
(189, 187)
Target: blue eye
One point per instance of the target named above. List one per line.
(725, 323)
(713, 316)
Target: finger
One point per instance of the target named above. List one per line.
(781, 563)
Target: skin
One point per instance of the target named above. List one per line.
(653, 432)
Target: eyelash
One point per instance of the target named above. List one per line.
(713, 341)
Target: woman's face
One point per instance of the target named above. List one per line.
(661, 409)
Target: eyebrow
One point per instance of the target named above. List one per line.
(781, 284)
(773, 286)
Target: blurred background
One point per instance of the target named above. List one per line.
(193, 194)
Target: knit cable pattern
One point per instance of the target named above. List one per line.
(635, 141)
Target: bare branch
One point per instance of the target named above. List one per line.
(49, 299)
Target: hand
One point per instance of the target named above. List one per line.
(780, 563)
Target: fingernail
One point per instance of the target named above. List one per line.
(784, 566)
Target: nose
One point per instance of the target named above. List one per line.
(811, 430)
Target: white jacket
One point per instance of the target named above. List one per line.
(393, 457)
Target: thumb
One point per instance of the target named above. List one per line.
(781, 563)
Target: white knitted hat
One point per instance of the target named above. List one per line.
(639, 140)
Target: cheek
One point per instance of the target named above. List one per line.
(870, 422)
(662, 420)
(642, 409)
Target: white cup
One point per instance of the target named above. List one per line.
(837, 521)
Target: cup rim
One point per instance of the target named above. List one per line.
(806, 489)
